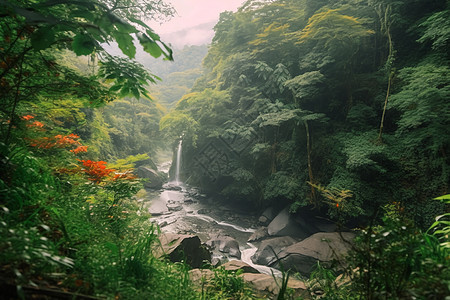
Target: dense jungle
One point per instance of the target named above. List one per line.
(306, 145)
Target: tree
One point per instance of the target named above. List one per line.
(30, 31)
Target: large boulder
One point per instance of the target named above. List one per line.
(312, 224)
(183, 247)
(323, 246)
(270, 249)
(284, 224)
(155, 180)
(301, 225)
(266, 287)
(225, 244)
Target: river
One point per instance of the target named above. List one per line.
(179, 208)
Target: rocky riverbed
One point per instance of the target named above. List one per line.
(206, 229)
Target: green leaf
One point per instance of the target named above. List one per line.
(115, 88)
(137, 21)
(153, 35)
(113, 247)
(135, 93)
(82, 44)
(42, 38)
(125, 42)
(444, 197)
(150, 46)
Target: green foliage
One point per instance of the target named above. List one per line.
(437, 29)
(441, 227)
(305, 86)
(345, 28)
(312, 113)
(227, 285)
(129, 162)
(177, 123)
(393, 260)
(323, 281)
(281, 186)
(28, 252)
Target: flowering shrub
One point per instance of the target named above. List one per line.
(96, 170)
(57, 141)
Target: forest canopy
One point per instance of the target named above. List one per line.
(345, 95)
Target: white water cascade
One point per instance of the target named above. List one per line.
(178, 163)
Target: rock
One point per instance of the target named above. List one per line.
(174, 207)
(179, 247)
(225, 244)
(265, 286)
(269, 249)
(218, 260)
(163, 224)
(158, 207)
(323, 246)
(259, 234)
(311, 224)
(234, 265)
(263, 220)
(301, 225)
(146, 162)
(172, 187)
(284, 224)
(155, 180)
(267, 216)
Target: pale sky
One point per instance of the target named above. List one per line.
(194, 21)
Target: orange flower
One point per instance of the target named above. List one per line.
(96, 170)
(36, 124)
(79, 149)
(27, 117)
(57, 141)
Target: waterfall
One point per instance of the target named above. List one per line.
(178, 163)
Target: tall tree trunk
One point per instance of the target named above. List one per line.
(308, 151)
(386, 26)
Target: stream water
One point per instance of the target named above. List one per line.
(179, 208)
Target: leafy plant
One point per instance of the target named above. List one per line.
(227, 285)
